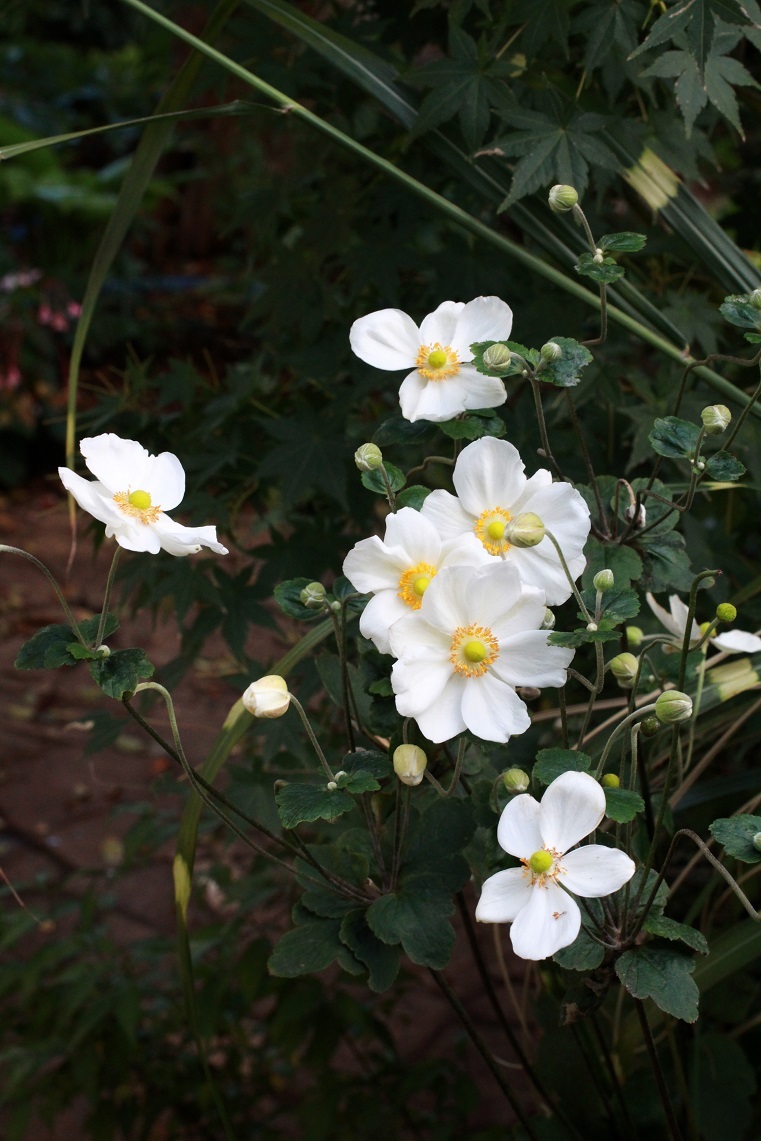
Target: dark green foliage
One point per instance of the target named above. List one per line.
(735, 835)
(550, 763)
(622, 805)
(663, 976)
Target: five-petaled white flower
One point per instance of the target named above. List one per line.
(474, 639)
(131, 492)
(491, 490)
(675, 621)
(544, 916)
(443, 382)
(399, 569)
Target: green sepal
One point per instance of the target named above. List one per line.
(121, 672)
(725, 467)
(662, 975)
(675, 438)
(552, 763)
(735, 834)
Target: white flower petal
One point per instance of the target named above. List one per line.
(446, 602)
(378, 617)
(520, 611)
(518, 831)
(503, 895)
(372, 565)
(572, 807)
(442, 720)
(164, 480)
(433, 400)
(526, 659)
(492, 710)
(550, 921)
(387, 339)
(483, 319)
(448, 515)
(479, 391)
(489, 473)
(178, 540)
(416, 536)
(134, 536)
(91, 496)
(416, 640)
(594, 870)
(116, 462)
(737, 642)
(441, 324)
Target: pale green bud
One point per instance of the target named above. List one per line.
(409, 764)
(525, 530)
(610, 780)
(599, 256)
(649, 726)
(634, 636)
(624, 669)
(755, 298)
(548, 622)
(716, 418)
(551, 352)
(604, 580)
(516, 780)
(368, 457)
(314, 596)
(726, 612)
(268, 697)
(103, 651)
(562, 198)
(757, 841)
(672, 707)
(498, 359)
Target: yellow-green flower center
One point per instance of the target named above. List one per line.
(473, 649)
(490, 529)
(540, 862)
(496, 530)
(140, 499)
(414, 583)
(138, 505)
(437, 361)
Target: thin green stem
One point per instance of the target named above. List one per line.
(546, 449)
(59, 593)
(692, 606)
(461, 746)
(107, 597)
(314, 742)
(655, 1064)
(569, 576)
(390, 496)
(339, 630)
(637, 715)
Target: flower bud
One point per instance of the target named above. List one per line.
(637, 516)
(516, 780)
(726, 612)
(672, 707)
(268, 697)
(562, 198)
(498, 359)
(757, 841)
(598, 257)
(548, 622)
(610, 780)
(314, 596)
(624, 669)
(409, 764)
(551, 352)
(634, 636)
(755, 298)
(716, 419)
(368, 457)
(103, 651)
(604, 580)
(649, 726)
(525, 530)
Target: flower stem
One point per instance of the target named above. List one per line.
(106, 598)
(568, 575)
(660, 1078)
(461, 746)
(635, 716)
(59, 593)
(339, 629)
(310, 733)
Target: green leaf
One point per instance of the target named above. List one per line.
(666, 928)
(357, 782)
(369, 761)
(625, 242)
(515, 366)
(417, 916)
(738, 310)
(472, 426)
(413, 497)
(735, 834)
(604, 272)
(307, 948)
(303, 803)
(725, 467)
(666, 564)
(380, 959)
(753, 338)
(578, 638)
(623, 561)
(663, 976)
(121, 672)
(396, 430)
(288, 597)
(622, 805)
(373, 480)
(674, 437)
(551, 763)
(81, 653)
(617, 605)
(582, 955)
(565, 372)
(724, 1082)
(47, 649)
(307, 456)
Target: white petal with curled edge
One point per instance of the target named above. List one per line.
(483, 319)
(386, 339)
(373, 565)
(594, 870)
(91, 496)
(479, 391)
(737, 642)
(441, 324)
(492, 710)
(526, 659)
(134, 536)
(571, 808)
(434, 400)
(164, 480)
(503, 895)
(550, 921)
(489, 473)
(416, 536)
(442, 720)
(117, 463)
(181, 541)
(518, 831)
(378, 617)
(447, 514)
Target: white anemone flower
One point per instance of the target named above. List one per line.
(492, 488)
(131, 494)
(535, 897)
(398, 570)
(675, 621)
(443, 382)
(474, 639)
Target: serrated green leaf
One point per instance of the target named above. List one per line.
(417, 916)
(666, 564)
(308, 455)
(121, 672)
(515, 366)
(308, 948)
(622, 805)
(373, 480)
(397, 430)
(358, 782)
(604, 272)
(381, 959)
(663, 976)
(47, 649)
(666, 928)
(81, 653)
(735, 834)
(623, 561)
(673, 437)
(368, 761)
(552, 763)
(565, 372)
(617, 604)
(576, 638)
(413, 497)
(584, 954)
(625, 242)
(304, 803)
(471, 426)
(738, 310)
(725, 467)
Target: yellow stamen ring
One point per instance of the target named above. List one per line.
(473, 650)
(137, 504)
(542, 866)
(490, 529)
(437, 361)
(414, 583)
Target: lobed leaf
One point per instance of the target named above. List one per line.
(663, 976)
(735, 834)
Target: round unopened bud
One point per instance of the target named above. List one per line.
(604, 580)
(525, 530)
(516, 780)
(548, 622)
(103, 651)
(368, 457)
(498, 359)
(673, 706)
(757, 841)
(551, 352)
(409, 764)
(635, 515)
(268, 697)
(716, 419)
(314, 596)
(624, 669)
(598, 257)
(592, 627)
(755, 298)
(649, 726)
(610, 780)
(726, 612)
(562, 198)
(634, 636)
(331, 786)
